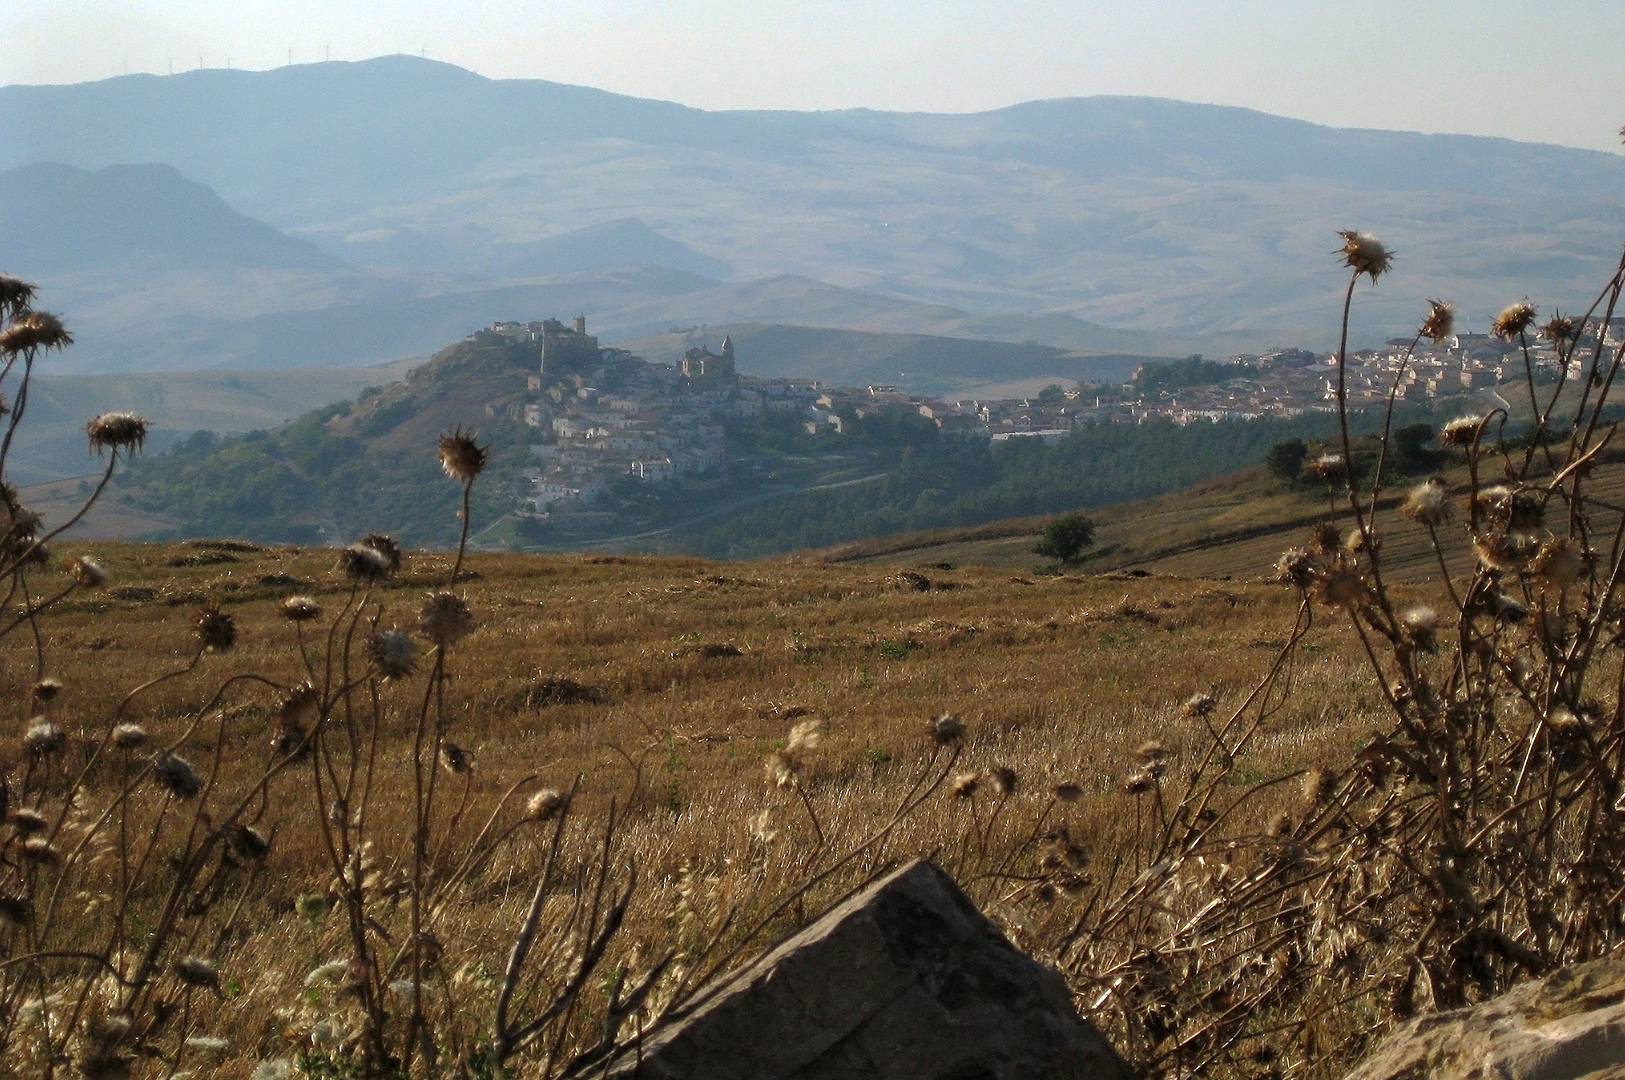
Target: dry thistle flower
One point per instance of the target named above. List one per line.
(1508, 608)
(40, 851)
(392, 653)
(364, 563)
(460, 456)
(805, 736)
(946, 729)
(1559, 563)
(33, 331)
(1428, 504)
(1328, 467)
(175, 775)
(1138, 782)
(15, 295)
(385, 545)
(117, 431)
(129, 736)
(781, 769)
(15, 910)
(1514, 319)
(216, 631)
(545, 804)
(1520, 510)
(1461, 431)
(1068, 792)
(1340, 588)
(1440, 321)
(247, 842)
(1003, 780)
(289, 739)
(301, 609)
(1317, 784)
(1324, 538)
(965, 785)
(301, 706)
(445, 618)
(28, 822)
(1196, 706)
(1296, 566)
(1499, 551)
(196, 971)
(1419, 625)
(455, 759)
(44, 738)
(1560, 329)
(1364, 254)
(87, 572)
(47, 688)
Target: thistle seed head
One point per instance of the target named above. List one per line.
(1324, 538)
(247, 842)
(196, 971)
(301, 706)
(15, 910)
(455, 759)
(1560, 563)
(1440, 321)
(87, 572)
(781, 769)
(364, 563)
(44, 738)
(47, 689)
(33, 331)
(301, 609)
(1340, 588)
(387, 546)
(1427, 504)
(28, 822)
(461, 457)
(445, 618)
(545, 805)
(15, 296)
(965, 785)
(1152, 750)
(1461, 431)
(1514, 319)
(1498, 551)
(1317, 785)
(1298, 567)
(117, 431)
(393, 654)
(946, 730)
(1068, 792)
(216, 630)
(1003, 780)
(1560, 329)
(1364, 254)
(805, 736)
(175, 775)
(1419, 625)
(129, 736)
(40, 851)
(1329, 467)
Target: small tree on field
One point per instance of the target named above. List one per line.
(1065, 537)
(1285, 459)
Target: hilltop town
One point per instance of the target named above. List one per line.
(600, 414)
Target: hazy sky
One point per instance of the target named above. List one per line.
(1552, 72)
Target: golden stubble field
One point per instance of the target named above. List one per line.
(663, 684)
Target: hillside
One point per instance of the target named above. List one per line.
(57, 218)
(1023, 223)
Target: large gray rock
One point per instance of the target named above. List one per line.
(903, 981)
(1567, 1026)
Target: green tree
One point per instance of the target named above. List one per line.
(1065, 537)
(1286, 459)
(1053, 394)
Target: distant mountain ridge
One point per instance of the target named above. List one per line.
(1060, 221)
(56, 218)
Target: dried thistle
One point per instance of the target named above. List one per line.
(364, 563)
(444, 618)
(1462, 431)
(1298, 567)
(197, 972)
(41, 851)
(1440, 321)
(87, 572)
(1328, 467)
(460, 456)
(805, 736)
(1560, 329)
(385, 545)
(1514, 319)
(216, 630)
(301, 609)
(175, 775)
(455, 759)
(117, 431)
(1003, 780)
(44, 738)
(393, 654)
(545, 805)
(1560, 563)
(946, 730)
(28, 822)
(1364, 254)
(15, 296)
(47, 689)
(1428, 504)
(129, 736)
(301, 706)
(1419, 625)
(1068, 792)
(1317, 785)
(1324, 538)
(965, 785)
(15, 910)
(247, 842)
(781, 769)
(32, 331)
(1340, 587)
(1152, 750)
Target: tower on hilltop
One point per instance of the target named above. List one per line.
(568, 349)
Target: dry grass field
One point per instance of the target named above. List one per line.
(664, 684)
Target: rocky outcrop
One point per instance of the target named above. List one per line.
(903, 981)
(1567, 1026)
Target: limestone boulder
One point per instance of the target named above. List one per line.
(905, 980)
(1569, 1025)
